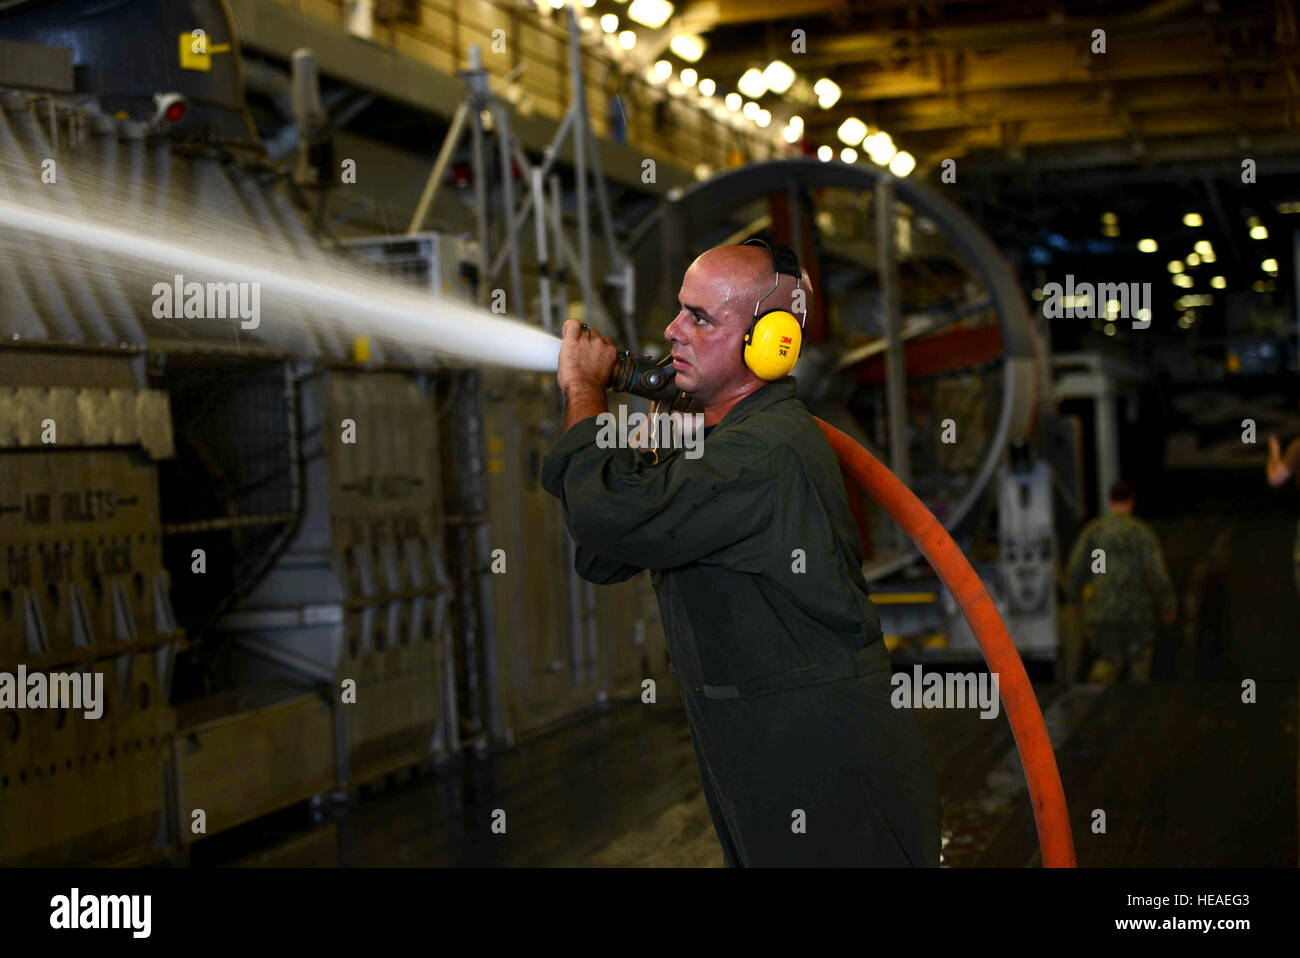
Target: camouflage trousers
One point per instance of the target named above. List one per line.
(1120, 648)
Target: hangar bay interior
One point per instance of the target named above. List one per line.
(280, 281)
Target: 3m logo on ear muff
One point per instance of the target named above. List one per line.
(775, 338)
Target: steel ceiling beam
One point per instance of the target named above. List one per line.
(277, 30)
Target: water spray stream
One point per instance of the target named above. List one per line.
(359, 305)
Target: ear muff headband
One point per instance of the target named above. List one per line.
(775, 337)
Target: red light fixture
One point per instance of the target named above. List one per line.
(168, 108)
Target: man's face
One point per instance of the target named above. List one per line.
(708, 333)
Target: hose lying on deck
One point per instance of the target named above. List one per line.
(1050, 813)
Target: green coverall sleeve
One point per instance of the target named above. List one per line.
(621, 507)
(602, 571)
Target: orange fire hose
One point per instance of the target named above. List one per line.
(1050, 812)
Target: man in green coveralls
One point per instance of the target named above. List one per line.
(1118, 569)
(756, 561)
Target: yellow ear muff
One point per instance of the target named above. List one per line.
(772, 345)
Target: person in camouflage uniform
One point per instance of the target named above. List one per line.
(1119, 604)
(1279, 470)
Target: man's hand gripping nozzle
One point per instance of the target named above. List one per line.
(651, 379)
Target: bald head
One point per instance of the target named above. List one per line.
(716, 305)
(744, 275)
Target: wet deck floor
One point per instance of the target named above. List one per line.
(1185, 773)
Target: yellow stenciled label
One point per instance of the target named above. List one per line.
(196, 52)
(361, 349)
(903, 598)
(935, 640)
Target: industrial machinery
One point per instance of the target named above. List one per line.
(365, 573)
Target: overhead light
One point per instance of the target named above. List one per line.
(1208, 256)
(1175, 266)
(764, 119)
(778, 76)
(790, 134)
(827, 92)
(1110, 229)
(1183, 280)
(1218, 282)
(1110, 219)
(796, 122)
(752, 84)
(687, 46)
(1147, 245)
(676, 89)
(650, 13)
(1192, 219)
(849, 155)
(663, 69)
(556, 4)
(609, 22)
(1193, 259)
(587, 24)
(733, 102)
(689, 76)
(1259, 232)
(880, 147)
(750, 110)
(1203, 247)
(852, 131)
(1269, 265)
(825, 153)
(627, 39)
(902, 163)
(707, 86)
(588, 3)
